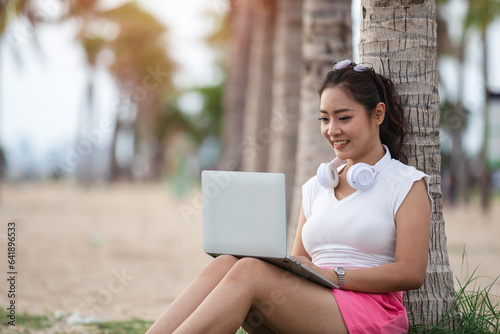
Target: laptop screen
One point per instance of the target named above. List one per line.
(244, 213)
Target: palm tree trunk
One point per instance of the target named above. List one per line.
(85, 169)
(236, 84)
(114, 170)
(399, 39)
(458, 157)
(286, 92)
(485, 176)
(256, 133)
(327, 38)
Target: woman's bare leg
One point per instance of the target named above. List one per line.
(193, 295)
(285, 303)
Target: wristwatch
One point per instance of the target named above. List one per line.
(341, 273)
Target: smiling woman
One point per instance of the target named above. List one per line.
(371, 241)
(347, 127)
(375, 95)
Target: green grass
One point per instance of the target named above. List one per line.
(122, 327)
(475, 311)
(26, 323)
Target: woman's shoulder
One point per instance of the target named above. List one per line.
(398, 169)
(312, 188)
(401, 178)
(312, 183)
(310, 192)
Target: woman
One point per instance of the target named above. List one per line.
(368, 233)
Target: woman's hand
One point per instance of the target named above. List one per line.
(307, 263)
(326, 273)
(303, 260)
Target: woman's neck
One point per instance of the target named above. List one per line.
(374, 155)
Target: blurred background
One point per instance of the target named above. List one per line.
(102, 91)
(106, 91)
(110, 109)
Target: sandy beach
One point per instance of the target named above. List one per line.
(125, 251)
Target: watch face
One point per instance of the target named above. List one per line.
(340, 271)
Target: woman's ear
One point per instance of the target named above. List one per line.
(379, 113)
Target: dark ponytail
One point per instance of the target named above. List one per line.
(368, 89)
(394, 127)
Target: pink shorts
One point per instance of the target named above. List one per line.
(371, 313)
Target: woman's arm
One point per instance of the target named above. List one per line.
(408, 270)
(298, 246)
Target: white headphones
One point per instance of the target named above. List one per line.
(360, 176)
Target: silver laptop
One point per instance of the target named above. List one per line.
(244, 215)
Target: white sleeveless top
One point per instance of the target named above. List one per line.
(358, 231)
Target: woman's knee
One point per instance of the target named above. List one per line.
(222, 264)
(248, 268)
(218, 268)
(225, 260)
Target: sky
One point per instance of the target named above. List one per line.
(43, 77)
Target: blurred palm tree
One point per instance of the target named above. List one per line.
(454, 117)
(222, 115)
(286, 92)
(142, 70)
(12, 10)
(480, 15)
(258, 103)
(9, 12)
(93, 43)
(327, 38)
(240, 23)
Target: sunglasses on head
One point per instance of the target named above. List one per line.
(362, 67)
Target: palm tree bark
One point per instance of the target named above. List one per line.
(286, 92)
(256, 132)
(327, 38)
(236, 84)
(399, 39)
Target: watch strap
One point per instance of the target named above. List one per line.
(340, 273)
